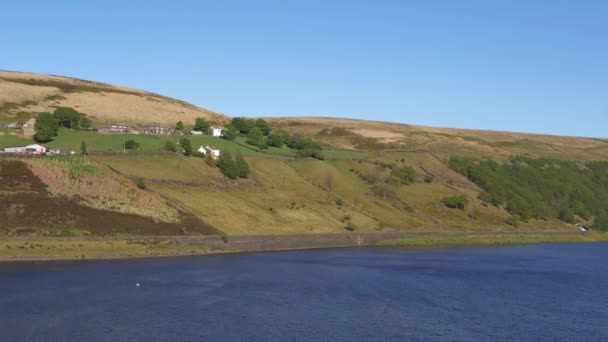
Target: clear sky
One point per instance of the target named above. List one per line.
(519, 65)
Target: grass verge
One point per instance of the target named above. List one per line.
(490, 240)
(57, 249)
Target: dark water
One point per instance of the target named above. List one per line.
(542, 292)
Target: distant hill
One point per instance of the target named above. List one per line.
(350, 134)
(27, 92)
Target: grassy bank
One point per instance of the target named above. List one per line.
(491, 240)
(74, 249)
(78, 248)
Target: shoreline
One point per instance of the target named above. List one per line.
(27, 249)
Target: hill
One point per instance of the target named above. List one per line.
(350, 134)
(369, 177)
(26, 93)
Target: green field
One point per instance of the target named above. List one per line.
(69, 139)
(13, 140)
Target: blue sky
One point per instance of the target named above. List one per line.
(532, 66)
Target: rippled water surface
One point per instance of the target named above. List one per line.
(539, 292)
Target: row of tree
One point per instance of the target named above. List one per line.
(542, 188)
(71, 118)
(200, 124)
(258, 133)
(233, 167)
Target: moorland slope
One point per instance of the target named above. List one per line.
(26, 93)
(370, 176)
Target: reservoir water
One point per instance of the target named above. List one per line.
(522, 293)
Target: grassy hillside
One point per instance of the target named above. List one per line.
(26, 92)
(370, 176)
(350, 190)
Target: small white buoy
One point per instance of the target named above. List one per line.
(137, 284)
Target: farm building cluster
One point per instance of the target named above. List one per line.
(28, 130)
(155, 129)
(35, 149)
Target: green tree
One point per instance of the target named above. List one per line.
(85, 122)
(278, 138)
(83, 148)
(242, 166)
(308, 149)
(67, 117)
(263, 125)
(209, 160)
(256, 138)
(131, 144)
(243, 125)
(230, 132)
(46, 127)
(186, 146)
(200, 124)
(141, 183)
(601, 221)
(404, 174)
(179, 126)
(227, 166)
(455, 202)
(567, 215)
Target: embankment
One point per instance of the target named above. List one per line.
(69, 248)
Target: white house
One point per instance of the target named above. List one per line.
(216, 131)
(208, 150)
(196, 132)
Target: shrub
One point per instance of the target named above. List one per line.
(339, 202)
(209, 160)
(225, 237)
(186, 146)
(241, 166)
(170, 146)
(404, 174)
(455, 202)
(350, 227)
(429, 179)
(83, 148)
(141, 183)
(179, 126)
(601, 221)
(131, 144)
(567, 215)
